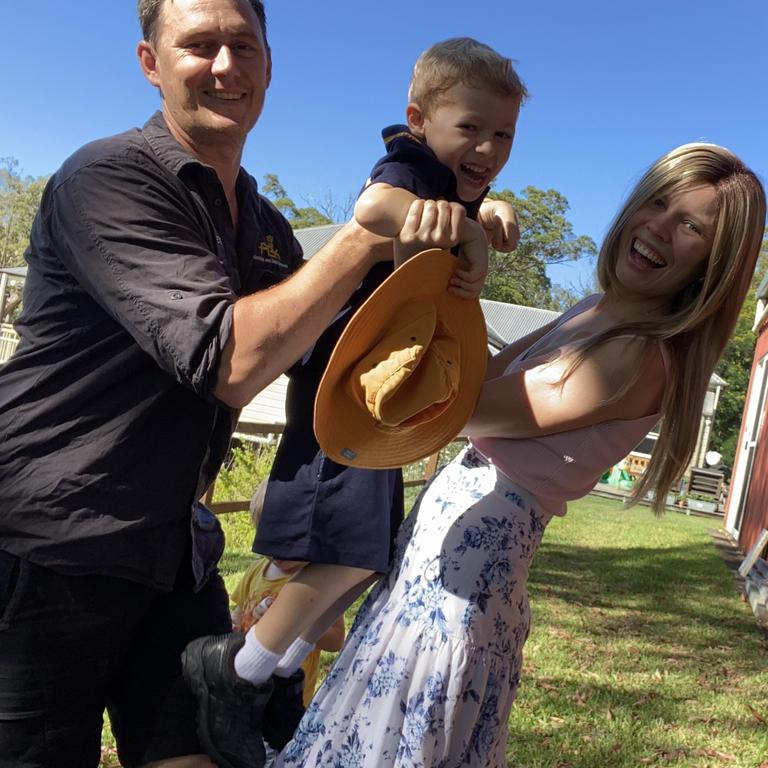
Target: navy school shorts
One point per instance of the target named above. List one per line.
(71, 646)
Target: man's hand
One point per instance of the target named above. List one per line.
(429, 224)
(499, 221)
(440, 224)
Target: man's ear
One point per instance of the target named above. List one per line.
(269, 67)
(415, 118)
(148, 62)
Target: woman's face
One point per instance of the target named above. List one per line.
(665, 245)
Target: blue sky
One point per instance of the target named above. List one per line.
(613, 85)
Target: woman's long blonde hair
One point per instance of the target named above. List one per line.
(704, 313)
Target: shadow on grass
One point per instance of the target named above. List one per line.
(653, 662)
(668, 591)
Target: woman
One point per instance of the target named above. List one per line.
(430, 670)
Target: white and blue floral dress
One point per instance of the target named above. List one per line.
(431, 667)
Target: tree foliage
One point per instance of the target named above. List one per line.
(735, 368)
(19, 201)
(299, 218)
(546, 237)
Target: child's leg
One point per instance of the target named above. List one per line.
(302, 604)
(316, 631)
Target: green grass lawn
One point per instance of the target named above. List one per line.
(641, 652)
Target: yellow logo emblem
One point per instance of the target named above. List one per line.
(267, 248)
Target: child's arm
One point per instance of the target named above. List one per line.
(499, 220)
(385, 210)
(333, 637)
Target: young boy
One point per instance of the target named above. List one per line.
(463, 104)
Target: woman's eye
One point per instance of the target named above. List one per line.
(693, 226)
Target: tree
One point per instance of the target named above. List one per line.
(735, 368)
(546, 237)
(299, 218)
(19, 201)
(519, 278)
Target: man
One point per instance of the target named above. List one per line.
(156, 305)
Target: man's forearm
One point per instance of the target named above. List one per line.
(271, 329)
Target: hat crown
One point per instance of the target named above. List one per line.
(411, 371)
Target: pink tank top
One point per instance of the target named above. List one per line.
(566, 465)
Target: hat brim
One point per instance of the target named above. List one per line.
(344, 428)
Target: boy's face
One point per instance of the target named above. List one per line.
(471, 131)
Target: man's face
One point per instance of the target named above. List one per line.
(212, 66)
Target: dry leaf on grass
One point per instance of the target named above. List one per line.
(756, 714)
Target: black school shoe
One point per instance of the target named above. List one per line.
(284, 709)
(229, 709)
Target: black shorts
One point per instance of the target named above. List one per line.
(71, 646)
(328, 513)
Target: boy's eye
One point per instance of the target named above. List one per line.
(659, 202)
(505, 135)
(468, 127)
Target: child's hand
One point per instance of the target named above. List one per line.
(499, 220)
(472, 268)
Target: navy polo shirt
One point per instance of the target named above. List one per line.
(410, 164)
(109, 427)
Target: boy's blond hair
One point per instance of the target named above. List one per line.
(461, 60)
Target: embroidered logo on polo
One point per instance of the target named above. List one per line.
(267, 248)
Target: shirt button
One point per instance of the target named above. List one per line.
(217, 202)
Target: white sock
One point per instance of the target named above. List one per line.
(253, 662)
(291, 660)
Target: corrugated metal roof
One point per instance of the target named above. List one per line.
(510, 322)
(312, 239)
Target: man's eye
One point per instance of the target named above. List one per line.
(245, 49)
(505, 135)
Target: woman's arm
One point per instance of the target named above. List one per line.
(539, 401)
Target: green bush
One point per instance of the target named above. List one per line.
(245, 467)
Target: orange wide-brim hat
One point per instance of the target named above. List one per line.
(406, 372)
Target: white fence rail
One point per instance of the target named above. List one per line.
(9, 340)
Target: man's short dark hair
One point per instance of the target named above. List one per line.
(149, 10)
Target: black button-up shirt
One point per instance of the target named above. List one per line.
(109, 431)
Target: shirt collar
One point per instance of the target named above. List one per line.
(176, 158)
(167, 149)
